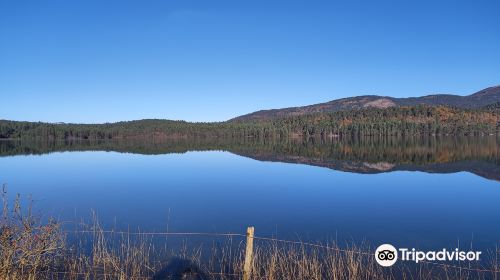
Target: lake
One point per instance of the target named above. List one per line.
(424, 193)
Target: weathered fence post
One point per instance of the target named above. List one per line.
(247, 268)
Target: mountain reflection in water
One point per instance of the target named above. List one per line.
(478, 155)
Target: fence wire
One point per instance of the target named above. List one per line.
(271, 239)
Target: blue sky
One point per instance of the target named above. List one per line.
(103, 61)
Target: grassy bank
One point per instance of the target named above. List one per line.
(30, 249)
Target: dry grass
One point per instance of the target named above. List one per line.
(300, 262)
(26, 246)
(32, 250)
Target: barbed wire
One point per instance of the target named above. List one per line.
(312, 245)
(271, 239)
(158, 233)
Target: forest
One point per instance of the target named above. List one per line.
(393, 121)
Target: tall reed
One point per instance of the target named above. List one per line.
(32, 249)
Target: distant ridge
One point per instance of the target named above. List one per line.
(479, 99)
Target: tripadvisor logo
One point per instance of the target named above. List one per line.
(387, 255)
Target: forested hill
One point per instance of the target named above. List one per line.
(406, 120)
(477, 100)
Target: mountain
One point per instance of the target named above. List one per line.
(350, 117)
(477, 100)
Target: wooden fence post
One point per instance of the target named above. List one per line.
(247, 268)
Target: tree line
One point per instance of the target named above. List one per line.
(393, 121)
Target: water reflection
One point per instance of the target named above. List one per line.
(478, 155)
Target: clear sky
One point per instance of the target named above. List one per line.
(103, 61)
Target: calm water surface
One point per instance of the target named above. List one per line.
(438, 202)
